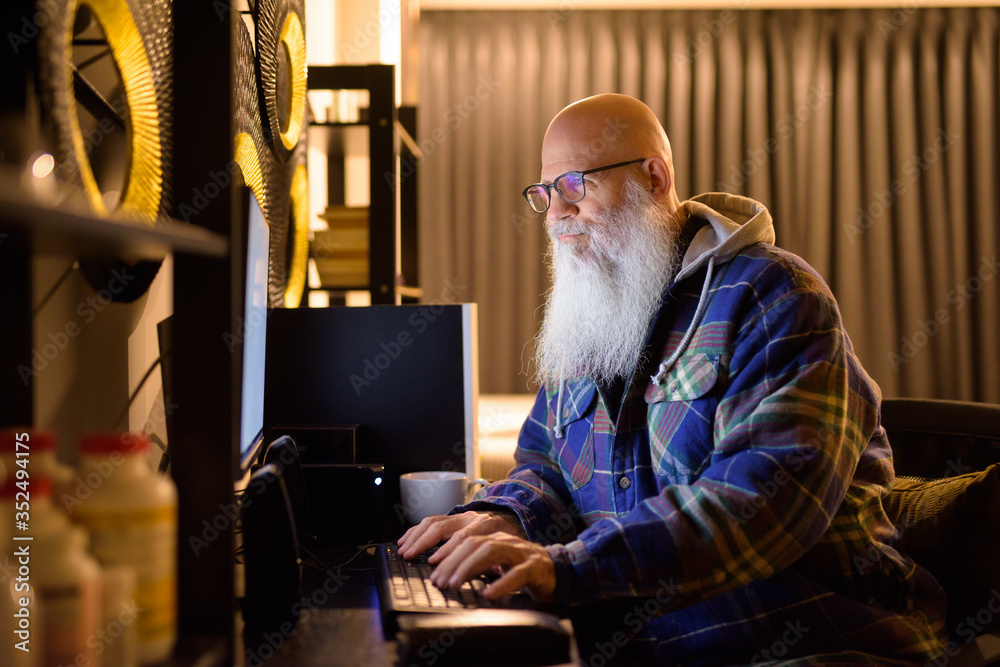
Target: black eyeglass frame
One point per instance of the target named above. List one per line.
(549, 187)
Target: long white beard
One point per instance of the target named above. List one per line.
(606, 289)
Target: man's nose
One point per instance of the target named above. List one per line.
(559, 209)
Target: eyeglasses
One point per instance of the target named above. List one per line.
(570, 187)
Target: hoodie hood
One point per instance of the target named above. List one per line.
(734, 222)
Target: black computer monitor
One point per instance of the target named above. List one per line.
(248, 338)
(404, 379)
(252, 332)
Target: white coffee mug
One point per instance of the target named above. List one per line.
(425, 494)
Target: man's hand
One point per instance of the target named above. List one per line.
(479, 542)
(522, 564)
(434, 529)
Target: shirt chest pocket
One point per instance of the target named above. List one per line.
(680, 415)
(575, 451)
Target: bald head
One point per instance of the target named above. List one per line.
(617, 126)
(606, 129)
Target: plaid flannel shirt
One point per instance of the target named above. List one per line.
(742, 493)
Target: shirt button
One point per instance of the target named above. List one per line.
(624, 482)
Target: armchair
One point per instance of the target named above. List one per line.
(946, 506)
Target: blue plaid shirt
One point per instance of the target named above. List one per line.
(739, 500)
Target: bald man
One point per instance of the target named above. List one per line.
(705, 448)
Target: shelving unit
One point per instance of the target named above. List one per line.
(207, 291)
(208, 279)
(29, 229)
(34, 227)
(391, 220)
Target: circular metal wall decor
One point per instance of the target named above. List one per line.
(144, 185)
(299, 245)
(248, 159)
(280, 33)
(268, 179)
(135, 43)
(249, 141)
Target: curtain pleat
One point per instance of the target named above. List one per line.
(784, 159)
(850, 268)
(954, 88)
(707, 126)
(906, 164)
(755, 111)
(804, 32)
(986, 179)
(725, 122)
(814, 115)
(872, 140)
(679, 121)
(933, 190)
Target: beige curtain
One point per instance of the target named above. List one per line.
(871, 135)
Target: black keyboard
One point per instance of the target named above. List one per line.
(404, 586)
(513, 630)
(409, 588)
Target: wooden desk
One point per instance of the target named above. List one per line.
(338, 624)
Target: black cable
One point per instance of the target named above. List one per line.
(135, 393)
(52, 290)
(322, 564)
(361, 549)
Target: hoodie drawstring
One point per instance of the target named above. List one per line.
(702, 300)
(559, 430)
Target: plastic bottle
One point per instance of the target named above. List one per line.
(54, 563)
(116, 641)
(131, 513)
(38, 447)
(17, 607)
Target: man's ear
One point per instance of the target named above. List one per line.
(660, 178)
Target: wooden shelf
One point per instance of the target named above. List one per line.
(56, 231)
(410, 291)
